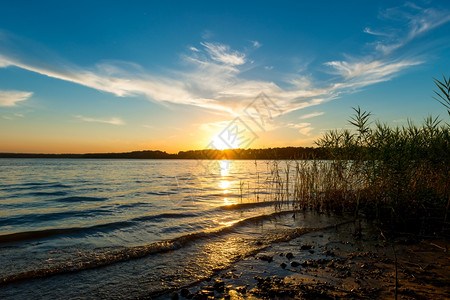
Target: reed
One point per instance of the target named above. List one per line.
(398, 176)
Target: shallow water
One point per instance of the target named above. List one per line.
(132, 228)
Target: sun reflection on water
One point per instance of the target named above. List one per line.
(224, 168)
(224, 185)
(225, 182)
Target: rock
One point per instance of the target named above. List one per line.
(207, 292)
(322, 261)
(289, 255)
(306, 247)
(331, 264)
(219, 285)
(295, 264)
(184, 293)
(311, 251)
(241, 289)
(259, 279)
(283, 265)
(267, 258)
(174, 296)
(200, 296)
(208, 288)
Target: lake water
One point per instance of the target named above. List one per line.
(132, 228)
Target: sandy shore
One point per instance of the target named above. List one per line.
(335, 264)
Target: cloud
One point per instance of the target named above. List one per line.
(4, 62)
(112, 121)
(207, 34)
(223, 54)
(418, 21)
(361, 73)
(10, 98)
(377, 33)
(306, 131)
(256, 44)
(311, 115)
(304, 128)
(213, 74)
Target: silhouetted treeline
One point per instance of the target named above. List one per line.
(270, 153)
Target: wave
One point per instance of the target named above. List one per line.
(248, 205)
(132, 253)
(46, 217)
(33, 186)
(57, 216)
(79, 199)
(46, 233)
(39, 194)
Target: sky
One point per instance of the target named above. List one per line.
(118, 76)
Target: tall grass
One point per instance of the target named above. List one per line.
(402, 174)
(398, 176)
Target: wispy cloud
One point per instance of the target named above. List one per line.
(112, 121)
(418, 20)
(223, 54)
(361, 73)
(10, 98)
(311, 115)
(304, 128)
(4, 62)
(256, 44)
(377, 33)
(213, 75)
(207, 34)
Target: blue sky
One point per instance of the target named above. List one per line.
(132, 75)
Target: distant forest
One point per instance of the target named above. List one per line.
(269, 153)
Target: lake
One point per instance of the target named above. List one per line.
(87, 228)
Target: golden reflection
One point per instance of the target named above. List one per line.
(224, 167)
(224, 184)
(229, 223)
(228, 201)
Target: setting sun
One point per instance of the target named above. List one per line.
(221, 144)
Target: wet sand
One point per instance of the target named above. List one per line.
(335, 264)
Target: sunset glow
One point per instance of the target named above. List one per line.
(153, 77)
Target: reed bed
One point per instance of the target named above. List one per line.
(399, 176)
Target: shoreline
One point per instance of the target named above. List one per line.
(334, 263)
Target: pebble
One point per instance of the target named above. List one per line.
(184, 293)
(241, 289)
(306, 247)
(219, 285)
(267, 258)
(295, 264)
(289, 255)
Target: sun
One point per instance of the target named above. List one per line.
(221, 144)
